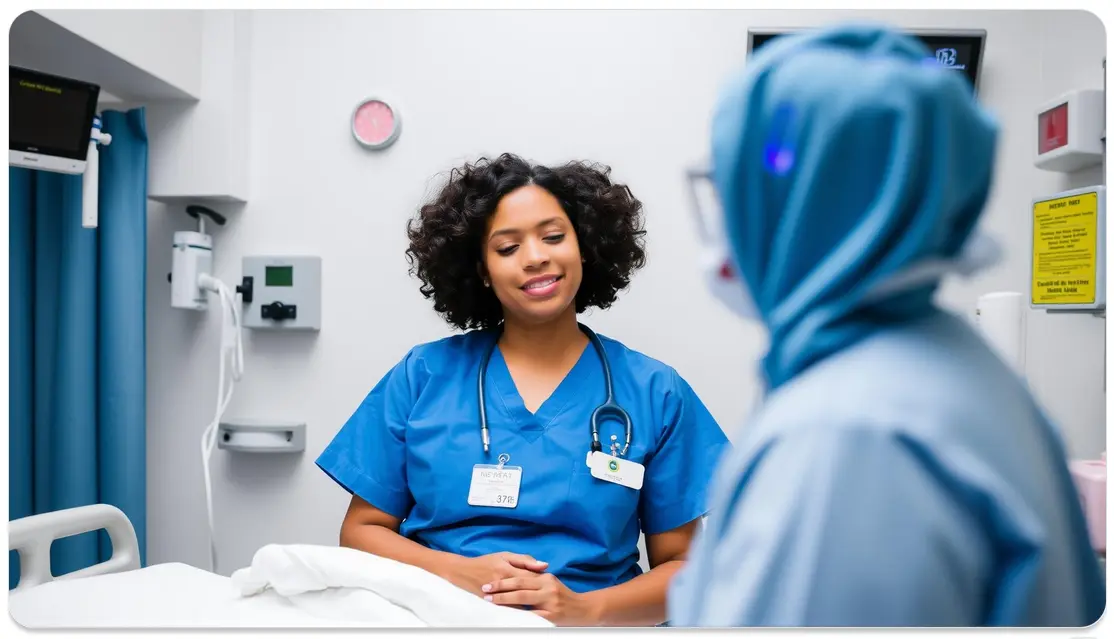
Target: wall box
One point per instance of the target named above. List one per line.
(199, 150)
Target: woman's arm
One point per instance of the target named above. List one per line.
(639, 602)
(368, 528)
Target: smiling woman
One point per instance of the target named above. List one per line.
(495, 209)
(498, 496)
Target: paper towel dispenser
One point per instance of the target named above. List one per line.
(256, 436)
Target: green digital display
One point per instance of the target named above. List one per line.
(279, 276)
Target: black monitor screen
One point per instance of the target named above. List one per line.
(50, 114)
(959, 51)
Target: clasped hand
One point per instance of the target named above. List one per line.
(520, 581)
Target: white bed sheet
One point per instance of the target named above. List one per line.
(162, 596)
(286, 586)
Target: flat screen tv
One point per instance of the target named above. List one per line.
(959, 49)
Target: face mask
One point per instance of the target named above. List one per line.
(721, 279)
(981, 252)
(720, 275)
(716, 266)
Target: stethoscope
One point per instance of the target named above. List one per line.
(607, 409)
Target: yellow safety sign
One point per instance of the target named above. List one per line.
(1065, 250)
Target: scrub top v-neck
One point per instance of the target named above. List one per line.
(532, 424)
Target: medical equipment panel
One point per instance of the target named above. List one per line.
(54, 127)
(282, 292)
(1070, 131)
(1068, 250)
(50, 120)
(256, 436)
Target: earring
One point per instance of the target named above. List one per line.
(487, 283)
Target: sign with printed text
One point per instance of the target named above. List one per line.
(1065, 250)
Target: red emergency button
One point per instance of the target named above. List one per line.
(1053, 129)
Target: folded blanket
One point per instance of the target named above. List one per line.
(354, 586)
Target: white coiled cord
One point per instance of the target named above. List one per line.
(232, 353)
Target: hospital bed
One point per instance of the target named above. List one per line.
(286, 586)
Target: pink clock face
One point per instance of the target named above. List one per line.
(374, 122)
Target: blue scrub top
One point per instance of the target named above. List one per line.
(907, 481)
(410, 448)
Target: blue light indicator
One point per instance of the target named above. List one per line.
(778, 153)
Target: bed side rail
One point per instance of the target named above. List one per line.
(31, 537)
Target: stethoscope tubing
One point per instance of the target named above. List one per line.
(609, 408)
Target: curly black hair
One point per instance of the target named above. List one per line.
(446, 237)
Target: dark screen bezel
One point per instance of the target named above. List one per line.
(932, 38)
(80, 148)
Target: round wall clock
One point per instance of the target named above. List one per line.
(376, 124)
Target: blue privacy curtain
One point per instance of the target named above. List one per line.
(77, 345)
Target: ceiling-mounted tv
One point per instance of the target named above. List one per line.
(959, 49)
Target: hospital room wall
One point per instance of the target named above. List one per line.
(634, 92)
(1066, 358)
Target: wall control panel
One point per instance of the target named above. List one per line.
(282, 292)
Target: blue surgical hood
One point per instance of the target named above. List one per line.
(842, 157)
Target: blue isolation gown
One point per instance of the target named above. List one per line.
(908, 481)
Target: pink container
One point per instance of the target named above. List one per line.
(1090, 481)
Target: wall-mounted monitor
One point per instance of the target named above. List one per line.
(50, 120)
(959, 49)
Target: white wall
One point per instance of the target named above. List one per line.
(632, 89)
(1067, 352)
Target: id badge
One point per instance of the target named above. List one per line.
(495, 486)
(615, 470)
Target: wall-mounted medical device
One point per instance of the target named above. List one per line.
(192, 258)
(282, 292)
(1070, 131)
(49, 120)
(52, 126)
(957, 49)
(1068, 251)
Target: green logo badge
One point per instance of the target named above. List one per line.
(613, 465)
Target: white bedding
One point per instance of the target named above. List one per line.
(286, 586)
(162, 596)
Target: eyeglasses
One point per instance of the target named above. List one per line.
(705, 204)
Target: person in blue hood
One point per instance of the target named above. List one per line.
(896, 472)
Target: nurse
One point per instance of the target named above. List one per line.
(897, 473)
(510, 253)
